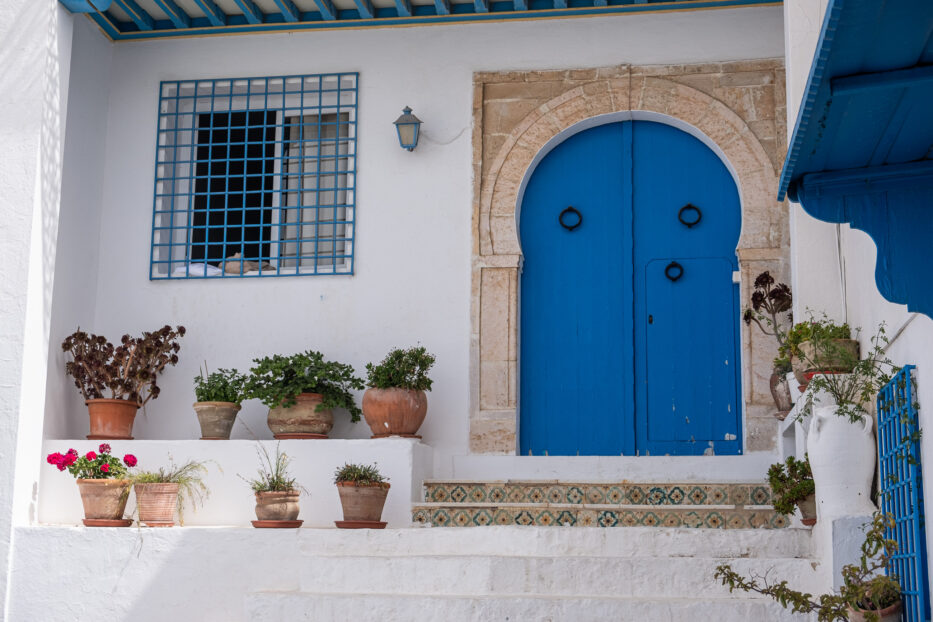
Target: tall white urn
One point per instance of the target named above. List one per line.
(842, 458)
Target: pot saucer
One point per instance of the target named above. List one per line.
(277, 524)
(298, 435)
(360, 524)
(107, 522)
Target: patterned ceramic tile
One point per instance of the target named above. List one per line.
(607, 518)
(478, 494)
(524, 518)
(496, 495)
(458, 494)
(575, 494)
(567, 518)
(482, 518)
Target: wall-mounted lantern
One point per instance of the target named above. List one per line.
(408, 127)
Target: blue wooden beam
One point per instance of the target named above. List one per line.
(366, 8)
(898, 79)
(289, 10)
(326, 7)
(139, 16)
(179, 18)
(520, 5)
(250, 11)
(442, 7)
(599, 2)
(403, 7)
(213, 12)
(560, 4)
(481, 6)
(86, 6)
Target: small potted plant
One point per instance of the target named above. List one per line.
(363, 491)
(301, 390)
(792, 485)
(276, 492)
(219, 395)
(820, 346)
(127, 372)
(395, 403)
(102, 482)
(770, 311)
(160, 493)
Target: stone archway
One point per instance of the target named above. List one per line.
(506, 145)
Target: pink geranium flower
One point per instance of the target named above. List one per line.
(90, 455)
(104, 448)
(129, 460)
(104, 467)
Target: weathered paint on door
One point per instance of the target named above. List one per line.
(621, 351)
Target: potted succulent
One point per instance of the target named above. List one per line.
(128, 372)
(792, 485)
(219, 395)
(102, 482)
(395, 403)
(819, 346)
(276, 492)
(301, 390)
(160, 493)
(363, 491)
(770, 311)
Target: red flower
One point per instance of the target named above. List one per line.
(104, 467)
(69, 459)
(104, 448)
(129, 460)
(55, 458)
(73, 452)
(90, 455)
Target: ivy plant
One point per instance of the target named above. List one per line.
(223, 385)
(277, 380)
(791, 482)
(403, 369)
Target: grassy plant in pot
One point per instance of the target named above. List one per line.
(276, 492)
(102, 482)
(127, 373)
(770, 311)
(219, 395)
(301, 390)
(395, 403)
(363, 491)
(159, 494)
(792, 484)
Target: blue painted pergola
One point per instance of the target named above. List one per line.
(862, 150)
(124, 20)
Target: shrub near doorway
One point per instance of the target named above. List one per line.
(395, 403)
(792, 485)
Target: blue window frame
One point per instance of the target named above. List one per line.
(255, 177)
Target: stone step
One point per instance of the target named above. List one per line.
(278, 606)
(583, 515)
(554, 491)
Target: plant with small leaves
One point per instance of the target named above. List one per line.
(770, 311)
(273, 474)
(223, 385)
(128, 371)
(277, 380)
(189, 477)
(403, 369)
(360, 475)
(92, 465)
(863, 587)
(791, 482)
(822, 330)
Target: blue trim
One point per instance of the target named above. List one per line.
(327, 9)
(442, 7)
(86, 6)
(850, 85)
(289, 11)
(250, 11)
(365, 8)
(175, 13)
(139, 16)
(213, 12)
(403, 7)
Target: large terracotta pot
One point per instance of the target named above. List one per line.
(104, 499)
(362, 503)
(301, 420)
(807, 509)
(888, 614)
(216, 419)
(394, 412)
(277, 505)
(111, 419)
(780, 392)
(156, 504)
(846, 351)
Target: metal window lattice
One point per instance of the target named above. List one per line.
(255, 177)
(902, 491)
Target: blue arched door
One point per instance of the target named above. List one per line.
(629, 313)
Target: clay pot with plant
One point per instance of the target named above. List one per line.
(395, 403)
(301, 390)
(159, 494)
(820, 346)
(116, 381)
(770, 311)
(102, 482)
(219, 395)
(276, 491)
(792, 485)
(363, 491)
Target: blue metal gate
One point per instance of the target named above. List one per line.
(902, 491)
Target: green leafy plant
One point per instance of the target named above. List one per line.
(273, 474)
(128, 371)
(862, 588)
(822, 330)
(277, 380)
(403, 369)
(189, 477)
(223, 385)
(791, 482)
(770, 311)
(360, 475)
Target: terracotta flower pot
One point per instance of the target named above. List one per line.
(839, 360)
(216, 418)
(156, 504)
(807, 509)
(888, 614)
(277, 505)
(111, 419)
(362, 503)
(301, 420)
(394, 411)
(103, 499)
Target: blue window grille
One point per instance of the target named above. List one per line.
(902, 491)
(255, 177)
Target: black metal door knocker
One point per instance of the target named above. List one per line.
(674, 271)
(572, 225)
(690, 208)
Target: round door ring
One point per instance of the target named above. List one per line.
(674, 271)
(689, 207)
(573, 225)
